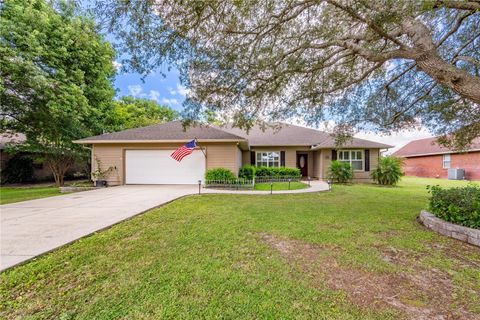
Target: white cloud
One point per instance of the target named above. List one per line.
(171, 102)
(181, 90)
(117, 65)
(398, 139)
(154, 95)
(136, 90)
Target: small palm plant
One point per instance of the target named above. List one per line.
(389, 171)
(340, 172)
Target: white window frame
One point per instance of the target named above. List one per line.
(350, 158)
(276, 163)
(446, 163)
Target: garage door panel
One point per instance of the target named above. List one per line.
(157, 167)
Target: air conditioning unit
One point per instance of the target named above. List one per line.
(456, 174)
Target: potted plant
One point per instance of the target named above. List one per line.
(99, 176)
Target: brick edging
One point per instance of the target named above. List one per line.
(448, 229)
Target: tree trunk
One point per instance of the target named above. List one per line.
(59, 165)
(466, 85)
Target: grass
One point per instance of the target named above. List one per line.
(16, 194)
(281, 186)
(206, 257)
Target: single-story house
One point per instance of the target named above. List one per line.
(142, 155)
(426, 158)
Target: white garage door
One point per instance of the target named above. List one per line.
(157, 167)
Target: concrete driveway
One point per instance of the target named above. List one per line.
(30, 228)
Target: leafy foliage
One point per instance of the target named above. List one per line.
(247, 172)
(129, 112)
(456, 205)
(340, 171)
(381, 65)
(219, 174)
(277, 172)
(389, 171)
(18, 169)
(55, 79)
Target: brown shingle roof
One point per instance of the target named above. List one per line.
(428, 146)
(165, 131)
(280, 135)
(283, 134)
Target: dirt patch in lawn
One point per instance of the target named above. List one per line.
(422, 294)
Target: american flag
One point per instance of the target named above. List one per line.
(183, 151)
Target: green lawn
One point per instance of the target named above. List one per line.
(354, 253)
(16, 194)
(281, 186)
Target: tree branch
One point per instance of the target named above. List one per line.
(455, 28)
(461, 5)
(398, 76)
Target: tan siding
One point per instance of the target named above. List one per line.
(222, 156)
(239, 160)
(112, 155)
(109, 156)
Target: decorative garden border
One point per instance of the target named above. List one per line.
(448, 229)
(75, 189)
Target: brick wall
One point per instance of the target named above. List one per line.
(431, 166)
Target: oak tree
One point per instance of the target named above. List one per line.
(378, 65)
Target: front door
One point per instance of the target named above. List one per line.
(302, 164)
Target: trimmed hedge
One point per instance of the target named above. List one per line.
(277, 172)
(219, 174)
(247, 172)
(456, 205)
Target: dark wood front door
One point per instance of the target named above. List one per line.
(302, 164)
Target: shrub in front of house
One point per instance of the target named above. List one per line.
(289, 172)
(277, 172)
(340, 172)
(219, 174)
(457, 205)
(247, 172)
(389, 171)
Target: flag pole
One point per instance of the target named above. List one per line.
(201, 149)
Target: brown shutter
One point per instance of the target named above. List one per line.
(367, 160)
(282, 158)
(334, 155)
(252, 158)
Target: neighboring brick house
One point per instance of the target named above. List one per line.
(425, 158)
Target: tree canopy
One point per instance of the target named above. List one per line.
(56, 75)
(130, 112)
(378, 65)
